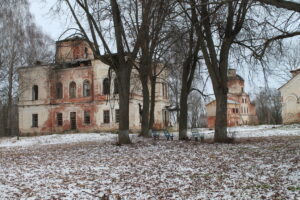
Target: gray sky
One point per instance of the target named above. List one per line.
(51, 24)
(54, 26)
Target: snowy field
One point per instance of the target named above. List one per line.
(87, 166)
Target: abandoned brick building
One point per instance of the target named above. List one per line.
(74, 93)
(240, 110)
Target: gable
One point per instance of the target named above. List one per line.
(292, 82)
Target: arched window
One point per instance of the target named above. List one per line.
(72, 90)
(86, 54)
(86, 88)
(59, 90)
(116, 86)
(35, 92)
(106, 86)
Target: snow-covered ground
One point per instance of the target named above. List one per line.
(87, 166)
(238, 132)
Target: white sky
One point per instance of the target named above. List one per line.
(51, 24)
(54, 26)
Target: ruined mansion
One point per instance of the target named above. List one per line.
(75, 94)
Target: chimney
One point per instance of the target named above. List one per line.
(231, 73)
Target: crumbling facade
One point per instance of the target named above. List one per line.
(290, 98)
(75, 94)
(240, 110)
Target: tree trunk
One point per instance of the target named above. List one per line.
(152, 104)
(124, 85)
(145, 113)
(10, 101)
(221, 115)
(183, 104)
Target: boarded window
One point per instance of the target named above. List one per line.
(117, 115)
(106, 116)
(35, 120)
(35, 92)
(72, 90)
(59, 118)
(116, 86)
(87, 117)
(86, 88)
(106, 86)
(59, 91)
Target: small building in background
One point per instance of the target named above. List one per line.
(75, 94)
(290, 98)
(240, 110)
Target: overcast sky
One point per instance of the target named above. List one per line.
(51, 24)
(54, 26)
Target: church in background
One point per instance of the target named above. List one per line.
(240, 110)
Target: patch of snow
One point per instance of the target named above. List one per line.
(58, 139)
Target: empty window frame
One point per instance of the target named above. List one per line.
(106, 86)
(164, 90)
(35, 92)
(235, 110)
(117, 115)
(106, 117)
(86, 54)
(86, 88)
(116, 86)
(59, 119)
(87, 117)
(35, 120)
(59, 90)
(72, 90)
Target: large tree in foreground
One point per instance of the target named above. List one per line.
(233, 31)
(152, 26)
(105, 21)
(217, 25)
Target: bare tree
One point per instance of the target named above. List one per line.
(154, 17)
(286, 4)
(127, 43)
(268, 106)
(21, 43)
(224, 27)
